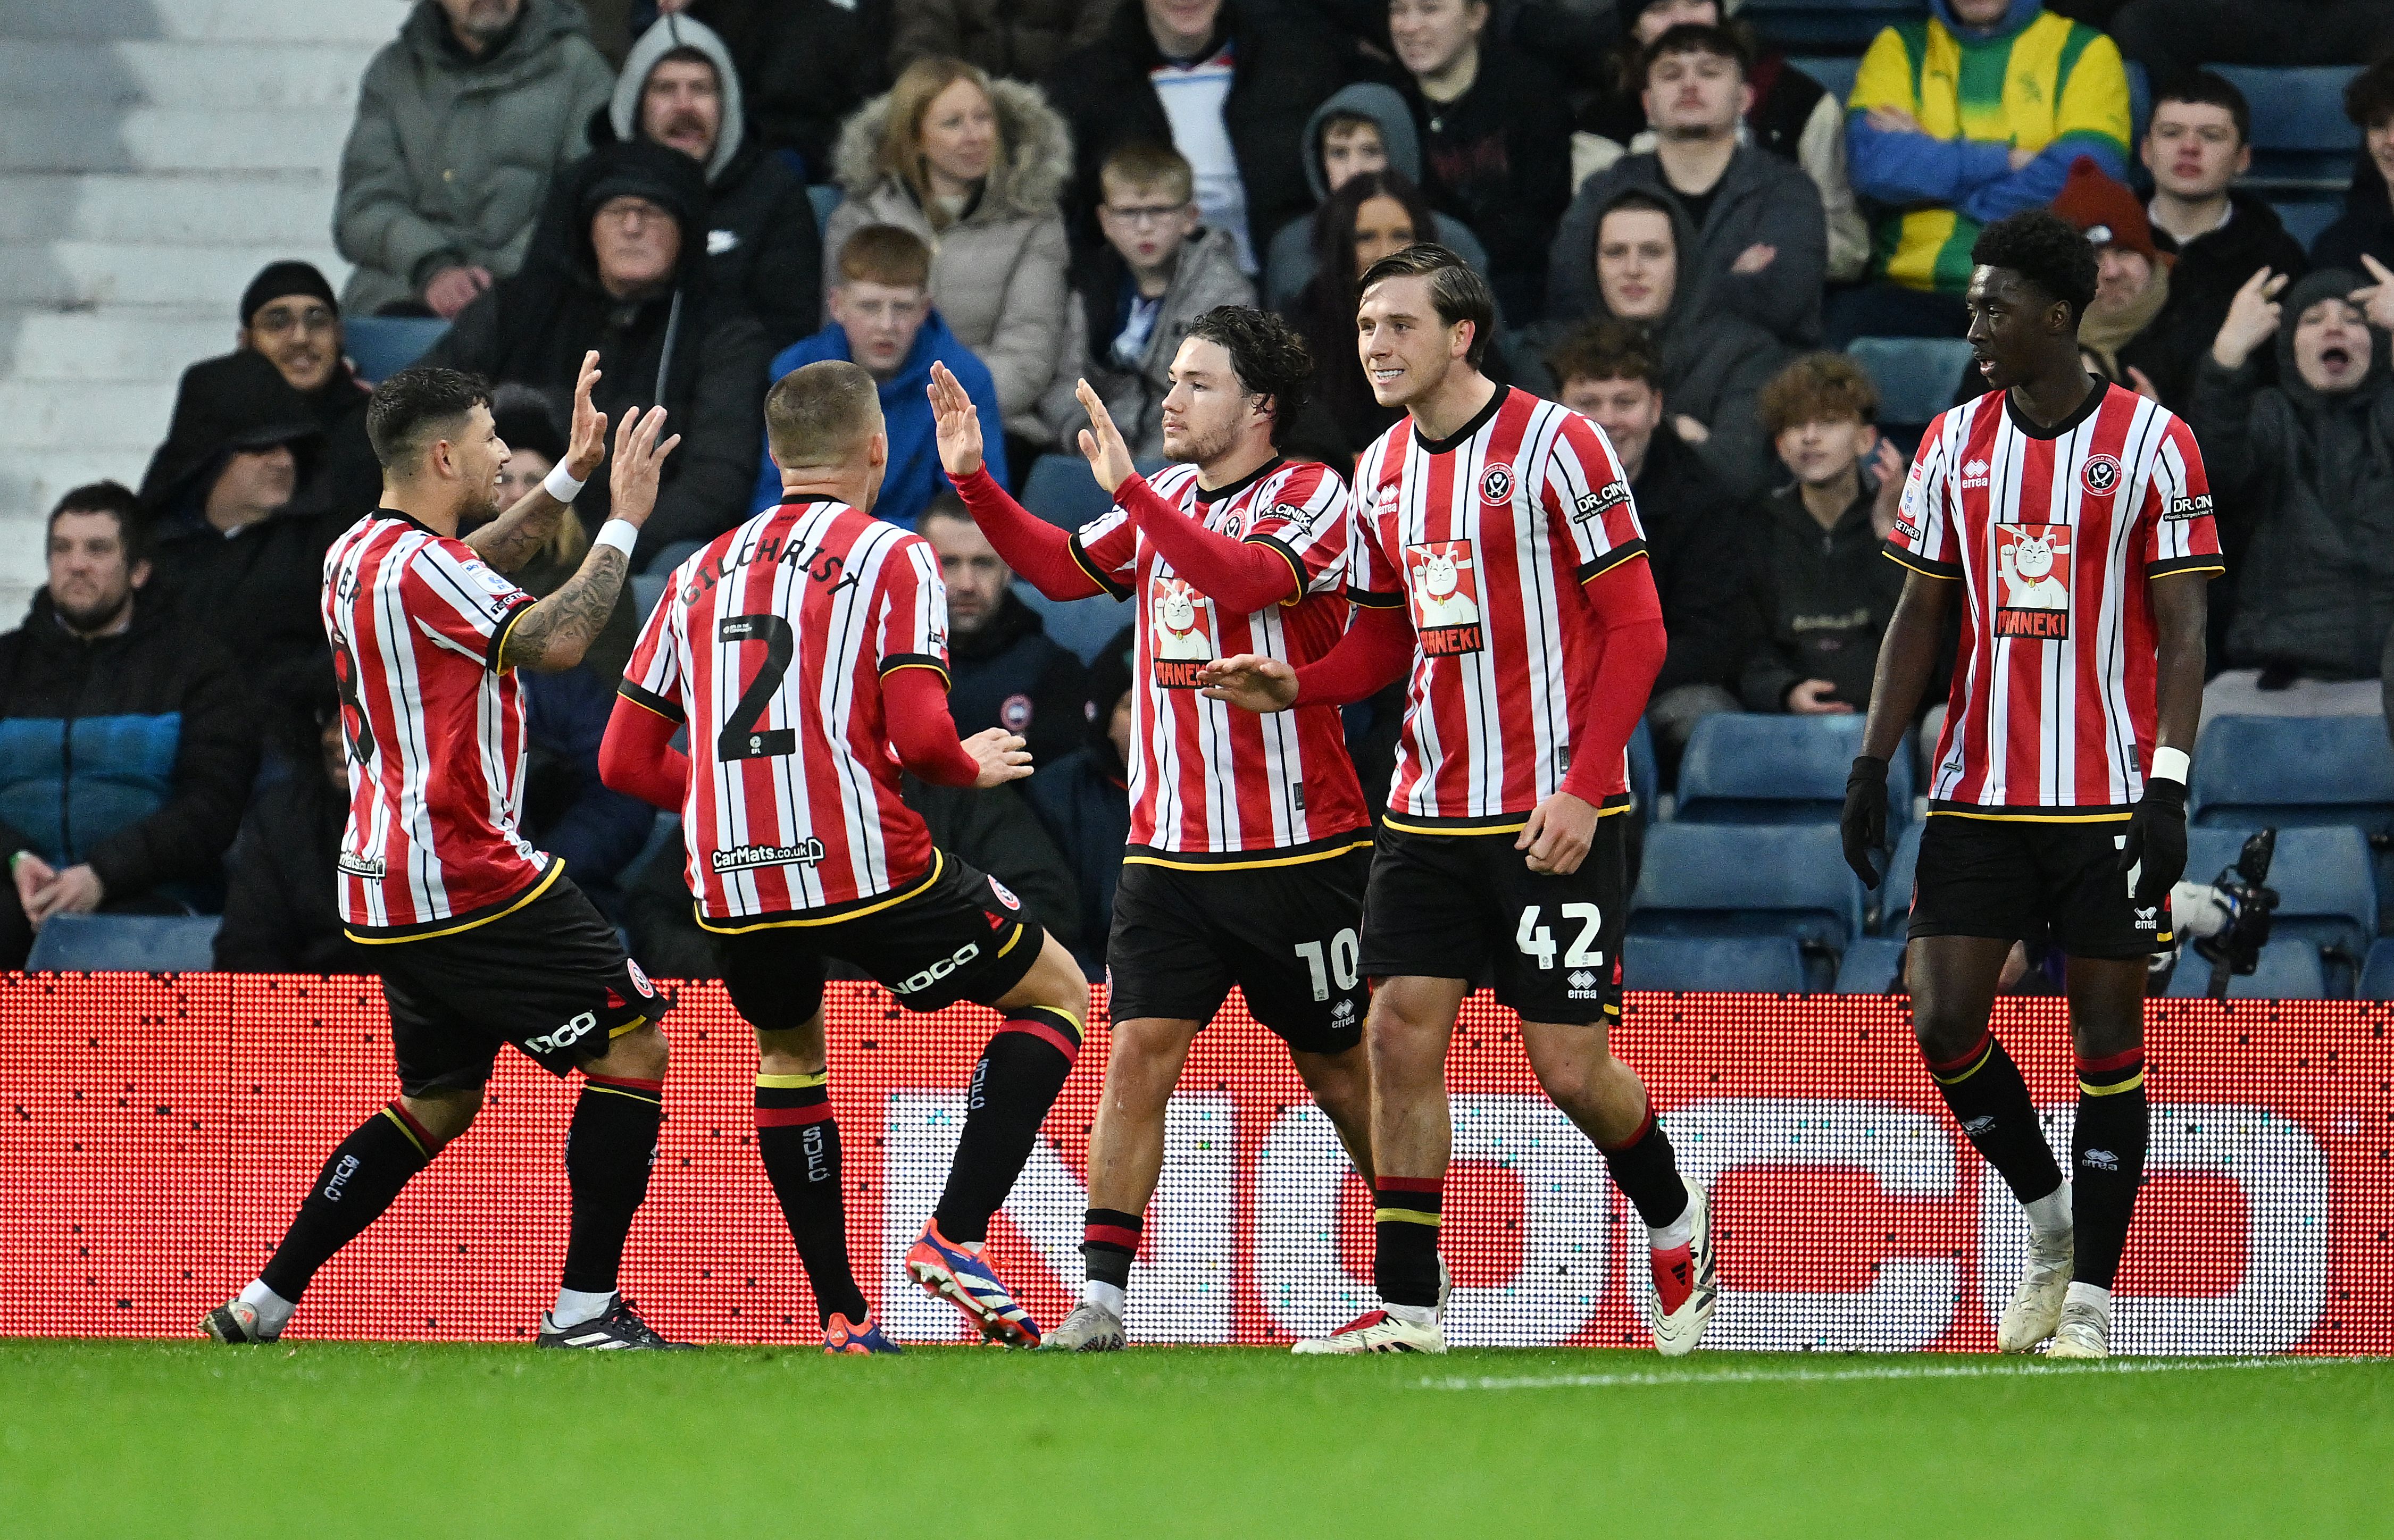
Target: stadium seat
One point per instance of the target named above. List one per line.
(1845, 26)
(2294, 772)
(1772, 965)
(2302, 141)
(1083, 625)
(1645, 778)
(1917, 376)
(1060, 491)
(1870, 965)
(1725, 879)
(1892, 902)
(380, 346)
(2288, 971)
(647, 588)
(2326, 887)
(125, 943)
(825, 196)
(1835, 74)
(2378, 973)
(1749, 768)
(2306, 218)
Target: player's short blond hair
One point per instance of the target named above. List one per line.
(821, 414)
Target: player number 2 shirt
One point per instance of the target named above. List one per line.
(1486, 537)
(2053, 536)
(436, 733)
(1210, 784)
(771, 643)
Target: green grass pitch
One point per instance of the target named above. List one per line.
(149, 1439)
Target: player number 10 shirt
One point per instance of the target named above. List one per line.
(1486, 537)
(2053, 536)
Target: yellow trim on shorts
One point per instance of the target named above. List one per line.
(1019, 929)
(939, 865)
(792, 1082)
(1245, 865)
(2031, 818)
(555, 865)
(635, 1024)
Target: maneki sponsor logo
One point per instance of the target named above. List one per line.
(2033, 582)
(1183, 641)
(1443, 584)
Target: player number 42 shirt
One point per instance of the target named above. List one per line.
(2055, 535)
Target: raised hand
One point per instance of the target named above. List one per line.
(1101, 443)
(1251, 682)
(957, 422)
(1000, 755)
(2376, 299)
(1886, 463)
(2252, 319)
(639, 461)
(586, 446)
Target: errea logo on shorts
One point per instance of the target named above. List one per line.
(563, 1038)
(1582, 984)
(939, 970)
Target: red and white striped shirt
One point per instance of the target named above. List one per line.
(771, 643)
(1486, 537)
(2053, 536)
(1210, 784)
(436, 732)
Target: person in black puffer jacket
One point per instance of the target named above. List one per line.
(281, 913)
(127, 739)
(1004, 670)
(1085, 798)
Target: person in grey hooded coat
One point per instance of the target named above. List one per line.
(458, 133)
(2302, 473)
(1288, 262)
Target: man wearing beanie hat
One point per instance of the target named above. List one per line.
(2307, 469)
(679, 89)
(288, 314)
(619, 265)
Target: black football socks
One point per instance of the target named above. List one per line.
(609, 1147)
(2107, 1158)
(1987, 1098)
(1015, 1083)
(799, 1142)
(361, 1177)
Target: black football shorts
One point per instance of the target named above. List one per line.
(1289, 937)
(551, 977)
(954, 933)
(2024, 879)
(1468, 906)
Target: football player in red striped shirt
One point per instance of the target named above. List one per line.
(1497, 554)
(807, 652)
(2070, 522)
(483, 940)
(1250, 843)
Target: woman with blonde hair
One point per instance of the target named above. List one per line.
(974, 167)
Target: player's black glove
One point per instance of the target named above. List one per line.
(2156, 839)
(1863, 823)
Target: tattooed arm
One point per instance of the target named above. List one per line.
(517, 535)
(551, 635)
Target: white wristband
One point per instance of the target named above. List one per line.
(2170, 764)
(561, 484)
(619, 534)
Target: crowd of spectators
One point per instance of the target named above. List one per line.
(1676, 219)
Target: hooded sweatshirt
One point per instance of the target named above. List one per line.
(762, 243)
(1011, 673)
(697, 353)
(450, 155)
(1715, 363)
(1288, 265)
(998, 270)
(2305, 485)
(913, 477)
(2033, 81)
(1825, 598)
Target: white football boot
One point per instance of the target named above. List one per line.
(2034, 1310)
(1676, 1331)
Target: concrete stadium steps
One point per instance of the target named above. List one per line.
(153, 154)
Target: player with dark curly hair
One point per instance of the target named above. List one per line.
(1250, 841)
(2072, 521)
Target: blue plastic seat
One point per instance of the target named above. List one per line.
(1745, 767)
(1082, 625)
(2327, 885)
(2288, 971)
(125, 943)
(2293, 772)
(1870, 965)
(380, 346)
(2377, 972)
(1060, 491)
(1772, 964)
(2302, 141)
(1892, 902)
(1917, 376)
(1723, 879)
(1645, 776)
(2306, 218)
(1834, 73)
(825, 197)
(1822, 25)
